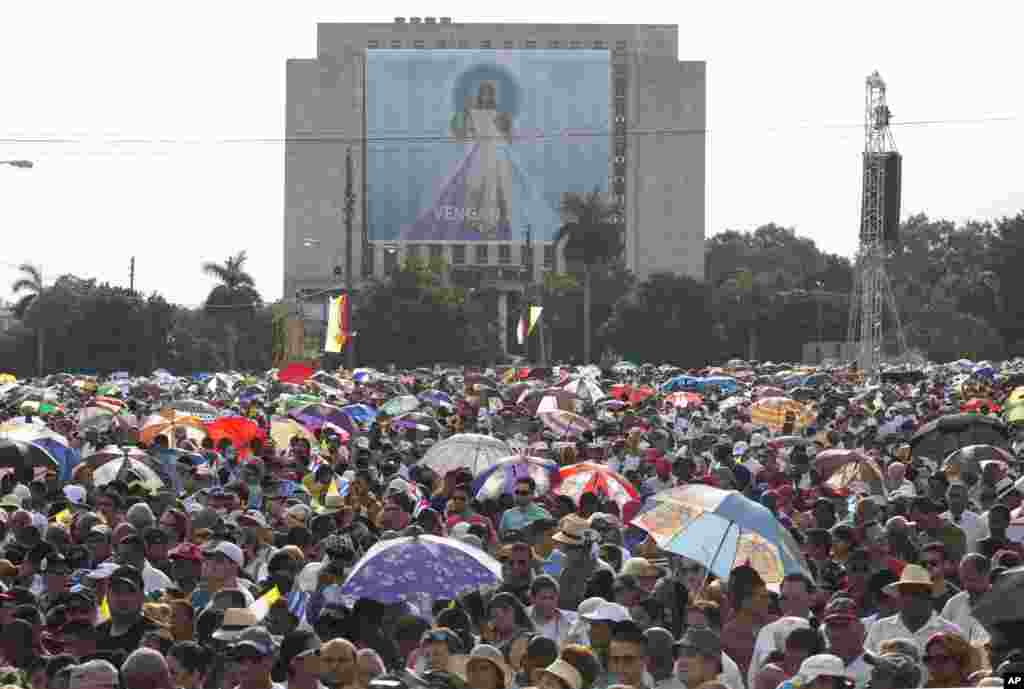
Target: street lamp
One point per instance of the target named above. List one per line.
(18, 163)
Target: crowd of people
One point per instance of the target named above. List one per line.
(140, 549)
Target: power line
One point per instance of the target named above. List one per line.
(522, 136)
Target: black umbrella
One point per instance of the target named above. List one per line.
(19, 454)
(1004, 602)
(949, 433)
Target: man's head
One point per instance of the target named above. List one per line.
(222, 561)
(397, 512)
(627, 654)
(957, 498)
(544, 595)
(516, 559)
(748, 591)
(524, 491)
(94, 674)
(974, 574)
(700, 651)
(438, 646)
(933, 557)
(300, 655)
(660, 652)
(126, 594)
(146, 668)
(253, 653)
(189, 664)
(998, 519)
(797, 590)
(801, 644)
(844, 630)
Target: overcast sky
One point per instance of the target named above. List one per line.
(785, 102)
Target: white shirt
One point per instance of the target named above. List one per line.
(893, 628)
(958, 611)
(557, 628)
(730, 676)
(974, 526)
(154, 580)
(859, 671)
(772, 637)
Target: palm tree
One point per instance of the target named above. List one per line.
(231, 299)
(593, 236)
(31, 283)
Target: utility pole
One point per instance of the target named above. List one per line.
(131, 276)
(350, 201)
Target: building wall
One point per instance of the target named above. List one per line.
(665, 190)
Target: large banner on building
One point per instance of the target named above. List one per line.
(469, 145)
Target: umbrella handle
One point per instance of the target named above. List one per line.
(718, 551)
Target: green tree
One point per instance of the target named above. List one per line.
(28, 288)
(233, 301)
(593, 239)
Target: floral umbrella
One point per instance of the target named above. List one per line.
(420, 570)
(850, 471)
(471, 450)
(772, 412)
(577, 479)
(501, 478)
(565, 423)
(721, 530)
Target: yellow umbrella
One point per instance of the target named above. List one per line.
(283, 430)
(772, 411)
(1016, 396)
(8, 378)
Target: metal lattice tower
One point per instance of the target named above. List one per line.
(872, 290)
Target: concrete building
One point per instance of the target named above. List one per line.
(652, 150)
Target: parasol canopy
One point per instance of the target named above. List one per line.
(471, 450)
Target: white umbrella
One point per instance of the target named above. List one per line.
(471, 450)
(113, 469)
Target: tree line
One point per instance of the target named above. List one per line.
(766, 293)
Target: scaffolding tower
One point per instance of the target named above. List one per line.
(879, 224)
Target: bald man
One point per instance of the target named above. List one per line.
(338, 658)
(146, 668)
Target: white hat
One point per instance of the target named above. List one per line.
(564, 671)
(75, 494)
(228, 550)
(820, 665)
(460, 530)
(589, 605)
(756, 440)
(607, 612)
(102, 571)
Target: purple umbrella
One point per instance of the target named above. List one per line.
(314, 416)
(419, 569)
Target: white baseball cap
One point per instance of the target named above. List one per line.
(74, 494)
(820, 665)
(228, 550)
(608, 612)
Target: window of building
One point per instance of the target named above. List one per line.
(390, 260)
(575, 45)
(396, 44)
(442, 44)
(599, 45)
(504, 254)
(464, 45)
(531, 44)
(509, 45)
(368, 258)
(436, 251)
(526, 255)
(481, 254)
(373, 44)
(485, 45)
(555, 44)
(459, 254)
(413, 251)
(419, 44)
(549, 255)
(620, 46)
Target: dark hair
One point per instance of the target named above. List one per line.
(508, 600)
(711, 611)
(528, 480)
(935, 547)
(806, 639)
(191, 656)
(982, 564)
(543, 582)
(743, 580)
(457, 620)
(55, 664)
(629, 632)
(802, 578)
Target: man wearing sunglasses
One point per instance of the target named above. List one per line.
(526, 510)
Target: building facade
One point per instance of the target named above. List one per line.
(461, 139)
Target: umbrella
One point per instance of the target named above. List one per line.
(683, 400)
(417, 421)
(565, 423)
(166, 422)
(296, 373)
(8, 378)
(420, 570)
(204, 411)
(436, 398)
(54, 443)
(1004, 602)
(975, 406)
(588, 477)
(400, 405)
(501, 478)
(471, 450)
(360, 413)
(18, 453)
(123, 468)
(850, 470)
(550, 399)
(238, 429)
(772, 412)
(585, 389)
(942, 436)
(282, 430)
(633, 395)
(768, 391)
(721, 530)
(314, 416)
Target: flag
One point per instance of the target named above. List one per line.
(535, 312)
(332, 488)
(337, 324)
(262, 606)
(104, 610)
(63, 517)
(521, 330)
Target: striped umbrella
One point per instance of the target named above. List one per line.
(501, 478)
(588, 477)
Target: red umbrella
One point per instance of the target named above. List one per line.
(974, 406)
(238, 429)
(297, 373)
(628, 393)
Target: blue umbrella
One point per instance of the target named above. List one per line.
(418, 569)
(682, 384)
(721, 529)
(360, 413)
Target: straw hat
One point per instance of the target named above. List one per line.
(236, 620)
(641, 567)
(573, 530)
(913, 575)
(569, 675)
(485, 653)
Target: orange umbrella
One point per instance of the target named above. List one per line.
(238, 429)
(166, 421)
